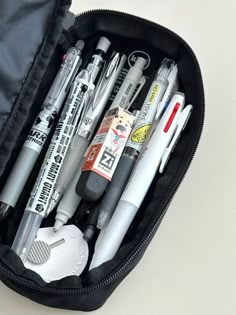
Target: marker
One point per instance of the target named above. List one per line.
(40, 129)
(135, 142)
(37, 206)
(98, 171)
(87, 125)
(147, 165)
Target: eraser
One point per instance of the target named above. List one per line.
(103, 44)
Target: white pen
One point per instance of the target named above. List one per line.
(37, 206)
(40, 129)
(147, 165)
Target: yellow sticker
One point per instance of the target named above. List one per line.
(140, 134)
(154, 93)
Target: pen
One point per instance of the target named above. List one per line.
(134, 78)
(98, 170)
(135, 142)
(147, 165)
(40, 129)
(87, 126)
(37, 206)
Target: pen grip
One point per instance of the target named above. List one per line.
(71, 162)
(70, 199)
(115, 189)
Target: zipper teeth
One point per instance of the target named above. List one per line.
(110, 278)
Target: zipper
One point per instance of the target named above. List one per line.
(128, 261)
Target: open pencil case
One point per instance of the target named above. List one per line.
(32, 43)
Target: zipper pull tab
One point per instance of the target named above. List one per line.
(182, 121)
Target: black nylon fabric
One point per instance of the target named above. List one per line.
(23, 25)
(31, 43)
(90, 291)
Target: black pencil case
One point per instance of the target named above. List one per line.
(33, 43)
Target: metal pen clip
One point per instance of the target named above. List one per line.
(182, 121)
(66, 67)
(105, 79)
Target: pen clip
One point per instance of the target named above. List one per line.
(182, 121)
(106, 78)
(66, 68)
(172, 88)
(140, 86)
(98, 90)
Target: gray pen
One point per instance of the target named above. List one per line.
(40, 130)
(87, 125)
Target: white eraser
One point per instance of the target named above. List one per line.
(103, 44)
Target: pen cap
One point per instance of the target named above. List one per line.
(135, 72)
(103, 44)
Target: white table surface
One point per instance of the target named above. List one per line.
(190, 266)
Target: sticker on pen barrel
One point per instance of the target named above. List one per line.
(41, 128)
(109, 142)
(145, 119)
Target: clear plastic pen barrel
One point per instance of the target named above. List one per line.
(26, 234)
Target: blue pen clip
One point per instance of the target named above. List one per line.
(182, 121)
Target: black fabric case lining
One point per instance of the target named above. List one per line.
(18, 24)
